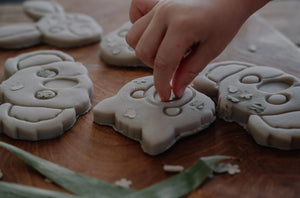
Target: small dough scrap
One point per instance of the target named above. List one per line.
(69, 30)
(19, 36)
(138, 113)
(264, 100)
(114, 49)
(35, 58)
(37, 9)
(43, 99)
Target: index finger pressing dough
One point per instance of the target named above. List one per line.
(264, 100)
(41, 99)
(138, 113)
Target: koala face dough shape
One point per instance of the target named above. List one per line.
(43, 101)
(264, 100)
(138, 113)
(69, 30)
(37, 9)
(114, 49)
(19, 36)
(32, 59)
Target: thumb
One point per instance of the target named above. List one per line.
(139, 8)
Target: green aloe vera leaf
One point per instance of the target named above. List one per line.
(213, 161)
(74, 182)
(182, 183)
(176, 186)
(11, 190)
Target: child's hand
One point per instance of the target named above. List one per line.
(164, 31)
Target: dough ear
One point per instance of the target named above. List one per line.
(208, 80)
(281, 131)
(104, 112)
(157, 139)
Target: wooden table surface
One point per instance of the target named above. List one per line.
(100, 152)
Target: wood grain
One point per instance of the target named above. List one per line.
(100, 152)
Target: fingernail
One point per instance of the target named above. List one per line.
(164, 99)
(181, 92)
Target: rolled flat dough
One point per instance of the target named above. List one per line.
(138, 113)
(264, 100)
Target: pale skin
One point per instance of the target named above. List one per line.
(178, 38)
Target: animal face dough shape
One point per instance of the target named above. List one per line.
(42, 100)
(69, 30)
(114, 49)
(137, 112)
(264, 100)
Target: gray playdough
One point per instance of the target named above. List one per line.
(69, 30)
(114, 49)
(138, 113)
(32, 59)
(264, 100)
(19, 36)
(43, 96)
(60, 30)
(37, 9)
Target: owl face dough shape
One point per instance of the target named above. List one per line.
(264, 100)
(69, 30)
(138, 113)
(43, 101)
(114, 49)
